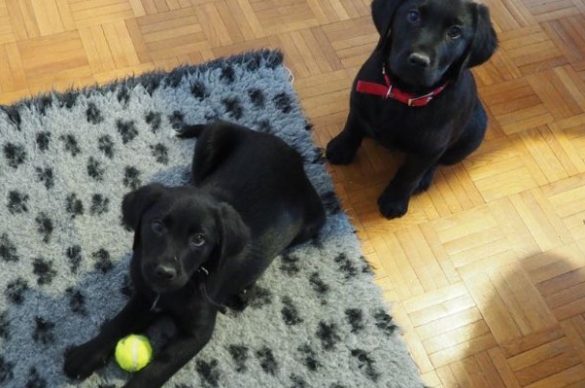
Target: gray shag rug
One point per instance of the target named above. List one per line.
(316, 318)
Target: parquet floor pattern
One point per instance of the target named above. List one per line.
(487, 271)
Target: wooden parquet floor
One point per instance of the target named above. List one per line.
(487, 271)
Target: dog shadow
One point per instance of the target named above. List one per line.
(527, 325)
(462, 186)
(361, 183)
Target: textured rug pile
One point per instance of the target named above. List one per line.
(316, 318)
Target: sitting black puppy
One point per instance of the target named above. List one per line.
(197, 247)
(415, 93)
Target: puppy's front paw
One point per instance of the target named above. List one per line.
(81, 361)
(392, 206)
(340, 150)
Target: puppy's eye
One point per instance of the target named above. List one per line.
(454, 32)
(197, 241)
(157, 227)
(413, 16)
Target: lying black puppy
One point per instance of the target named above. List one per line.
(197, 247)
(416, 93)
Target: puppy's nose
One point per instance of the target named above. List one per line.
(165, 272)
(419, 59)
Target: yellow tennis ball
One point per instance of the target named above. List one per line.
(133, 352)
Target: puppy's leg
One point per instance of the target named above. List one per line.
(470, 139)
(81, 361)
(239, 302)
(178, 352)
(191, 131)
(394, 200)
(342, 149)
(426, 180)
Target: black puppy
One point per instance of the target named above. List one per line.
(416, 93)
(197, 247)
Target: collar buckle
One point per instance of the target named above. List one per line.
(427, 97)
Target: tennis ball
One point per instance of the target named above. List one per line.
(133, 352)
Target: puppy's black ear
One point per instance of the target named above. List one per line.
(482, 45)
(485, 40)
(234, 234)
(383, 14)
(138, 201)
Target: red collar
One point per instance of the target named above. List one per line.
(389, 91)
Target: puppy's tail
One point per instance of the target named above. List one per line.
(191, 131)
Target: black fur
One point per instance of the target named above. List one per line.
(197, 247)
(451, 37)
